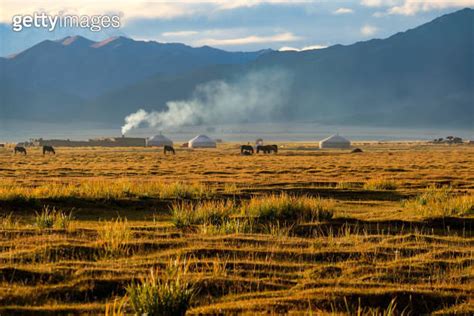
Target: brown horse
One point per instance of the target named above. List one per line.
(267, 149)
(48, 149)
(168, 148)
(20, 149)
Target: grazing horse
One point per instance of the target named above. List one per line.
(168, 148)
(267, 149)
(48, 149)
(20, 149)
(246, 150)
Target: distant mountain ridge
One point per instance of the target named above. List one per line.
(85, 68)
(424, 76)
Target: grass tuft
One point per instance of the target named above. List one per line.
(114, 237)
(53, 218)
(116, 308)
(9, 222)
(166, 294)
(286, 208)
(377, 184)
(434, 202)
(187, 214)
(229, 226)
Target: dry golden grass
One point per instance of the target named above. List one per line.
(385, 250)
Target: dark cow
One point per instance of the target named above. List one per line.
(20, 149)
(167, 149)
(48, 149)
(246, 150)
(267, 149)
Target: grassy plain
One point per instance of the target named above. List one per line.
(395, 240)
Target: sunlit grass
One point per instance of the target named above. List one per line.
(287, 208)
(168, 293)
(114, 236)
(52, 218)
(186, 214)
(229, 226)
(8, 221)
(435, 202)
(381, 184)
(104, 189)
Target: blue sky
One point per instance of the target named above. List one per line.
(239, 25)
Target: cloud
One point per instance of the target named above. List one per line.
(412, 7)
(226, 4)
(179, 34)
(343, 11)
(368, 30)
(311, 47)
(379, 14)
(129, 9)
(375, 3)
(252, 39)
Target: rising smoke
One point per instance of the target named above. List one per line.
(254, 96)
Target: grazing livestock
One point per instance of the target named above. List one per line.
(246, 150)
(168, 148)
(267, 149)
(20, 149)
(356, 150)
(48, 149)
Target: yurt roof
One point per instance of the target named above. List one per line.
(336, 139)
(202, 138)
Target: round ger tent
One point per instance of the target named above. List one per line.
(335, 141)
(159, 141)
(202, 141)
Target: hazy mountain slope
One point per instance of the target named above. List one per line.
(85, 68)
(153, 93)
(423, 76)
(35, 104)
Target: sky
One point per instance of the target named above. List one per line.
(239, 25)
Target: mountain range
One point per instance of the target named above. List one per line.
(420, 77)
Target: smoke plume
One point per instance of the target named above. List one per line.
(254, 96)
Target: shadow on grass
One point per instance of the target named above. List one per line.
(443, 226)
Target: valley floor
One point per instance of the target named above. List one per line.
(400, 238)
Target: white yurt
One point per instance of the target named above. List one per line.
(202, 141)
(159, 141)
(335, 141)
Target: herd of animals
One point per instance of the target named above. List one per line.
(244, 149)
(266, 149)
